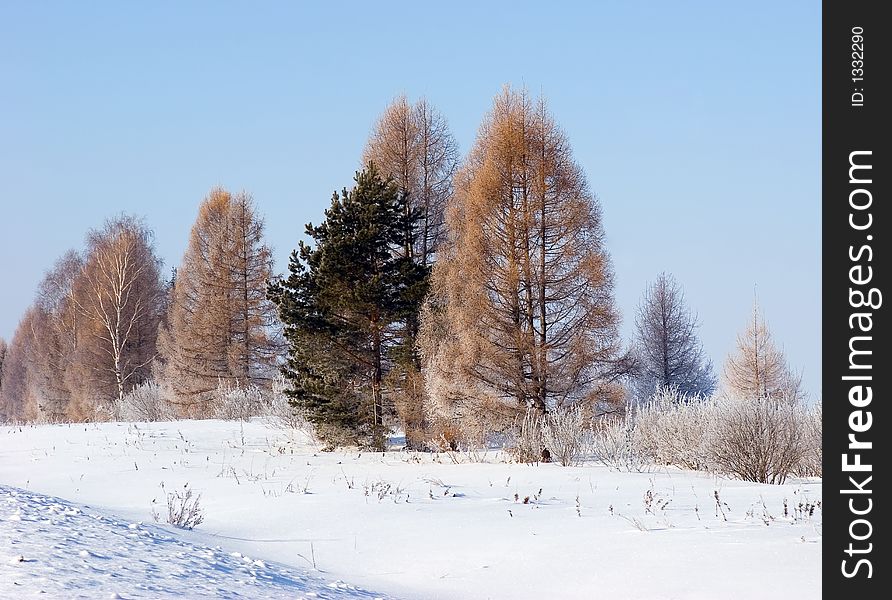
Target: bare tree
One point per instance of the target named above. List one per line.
(220, 326)
(523, 306)
(116, 295)
(759, 368)
(669, 352)
(758, 439)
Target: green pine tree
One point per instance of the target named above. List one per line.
(345, 304)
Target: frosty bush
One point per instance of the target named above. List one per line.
(280, 411)
(235, 402)
(564, 434)
(333, 436)
(561, 436)
(673, 429)
(758, 439)
(145, 402)
(470, 424)
(444, 436)
(527, 447)
(812, 456)
(762, 440)
(183, 509)
(615, 443)
(83, 408)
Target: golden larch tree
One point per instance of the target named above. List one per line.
(220, 324)
(412, 144)
(759, 369)
(55, 332)
(522, 313)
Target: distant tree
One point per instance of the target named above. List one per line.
(45, 348)
(343, 301)
(165, 306)
(55, 339)
(3, 349)
(759, 368)
(669, 352)
(220, 326)
(523, 313)
(18, 400)
(116, 295)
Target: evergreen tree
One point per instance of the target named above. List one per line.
(343, 305)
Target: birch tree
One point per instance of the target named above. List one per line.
(116, 295)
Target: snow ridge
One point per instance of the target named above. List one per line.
(52, 548)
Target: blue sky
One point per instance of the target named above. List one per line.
(698, 124)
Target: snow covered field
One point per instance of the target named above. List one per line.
(407, 525)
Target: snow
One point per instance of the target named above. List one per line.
(130, 560)
(287, 519)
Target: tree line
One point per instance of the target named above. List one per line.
(448, 295)
(104, 321)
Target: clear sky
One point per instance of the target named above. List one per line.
(698, 124)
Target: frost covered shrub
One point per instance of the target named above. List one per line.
(145, 402)
(280, 411)
(183, 509)
(564, 434)
(471, 424)
(235, 402)
(527, 446)
(615, 443)
(333, 436)
(444, 436)
(761, 440)
(667, 429)
(758, 439)
(81, 409)
(673, 429)
(810, 465)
